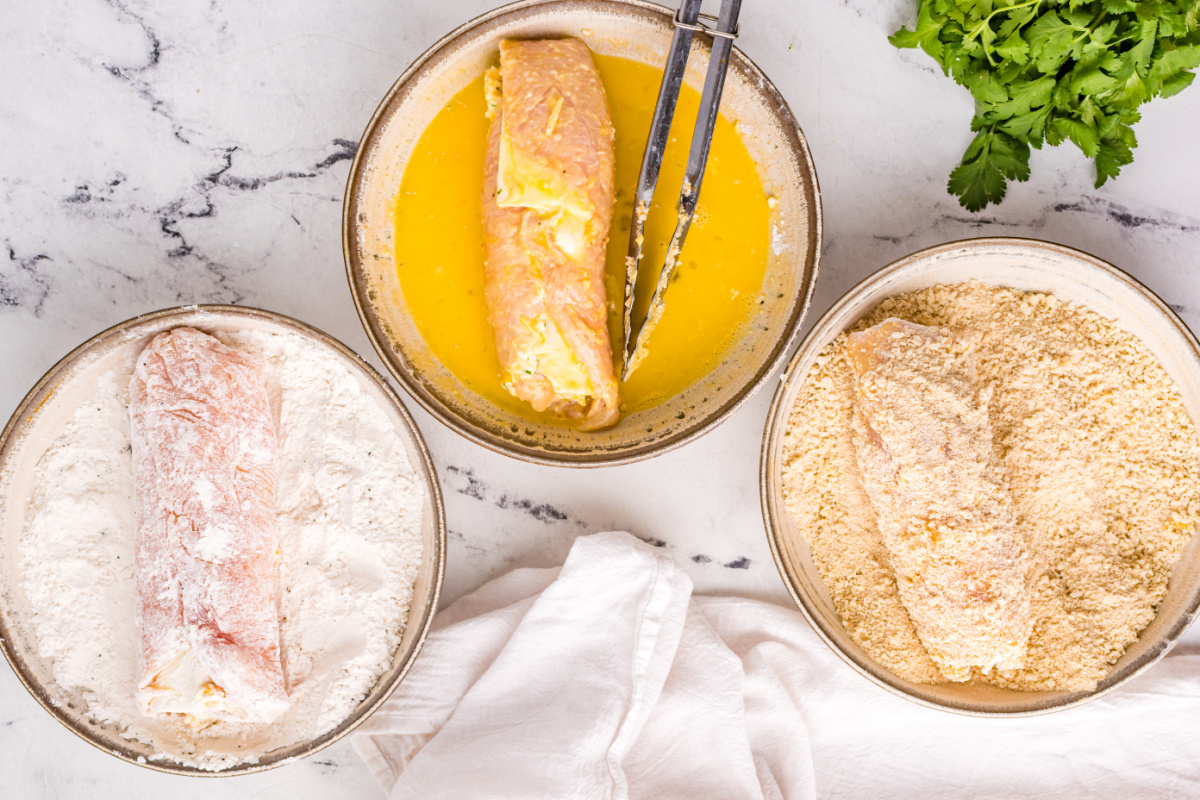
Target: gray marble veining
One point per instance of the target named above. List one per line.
(156, 154)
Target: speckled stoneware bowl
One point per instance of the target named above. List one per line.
(640, 31)
(51, 404)
(1021, 264)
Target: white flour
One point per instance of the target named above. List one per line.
(349, 507)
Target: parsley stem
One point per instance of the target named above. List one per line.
(987, 21)
(1091, 26)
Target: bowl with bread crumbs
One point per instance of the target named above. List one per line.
(223, 540)
(981, 477)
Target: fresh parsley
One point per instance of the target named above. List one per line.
(1053, 71)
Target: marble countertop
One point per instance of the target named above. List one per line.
(158, 154)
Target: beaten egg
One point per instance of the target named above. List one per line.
(715, 291)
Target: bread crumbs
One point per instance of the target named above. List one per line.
(1094, 446)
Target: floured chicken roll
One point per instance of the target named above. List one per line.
(204, 469)
(547, 208)
(924, 444)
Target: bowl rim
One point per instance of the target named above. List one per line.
(53, 376)
(529, 453)
(769, 471)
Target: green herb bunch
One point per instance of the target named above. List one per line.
(1053, 70)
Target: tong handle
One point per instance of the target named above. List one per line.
(687, 22)
(686, 19)
(710, 103)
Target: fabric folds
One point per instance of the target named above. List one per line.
(607, 679)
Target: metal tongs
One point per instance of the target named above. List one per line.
(687, 23)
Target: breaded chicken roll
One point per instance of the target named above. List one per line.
(547, 208)
(924, 444)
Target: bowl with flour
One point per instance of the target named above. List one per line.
(1093, 386)
(361, 539)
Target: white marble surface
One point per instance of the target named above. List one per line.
(156, 154)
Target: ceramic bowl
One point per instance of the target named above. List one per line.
(51, 404)
(640, 31)
(1020, 264)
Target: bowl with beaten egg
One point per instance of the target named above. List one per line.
(520, 364)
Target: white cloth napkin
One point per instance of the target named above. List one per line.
(607, 679)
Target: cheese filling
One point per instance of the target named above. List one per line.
(522, 182)
(552, 357)
(185, 687)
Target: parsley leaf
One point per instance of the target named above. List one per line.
(1172, 67)
(1053, 71)
(925, 36)
(992, 159)
(1082, 134)
(989, 163)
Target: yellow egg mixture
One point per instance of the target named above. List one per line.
(439, 242)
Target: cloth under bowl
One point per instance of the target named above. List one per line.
(609, 679)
